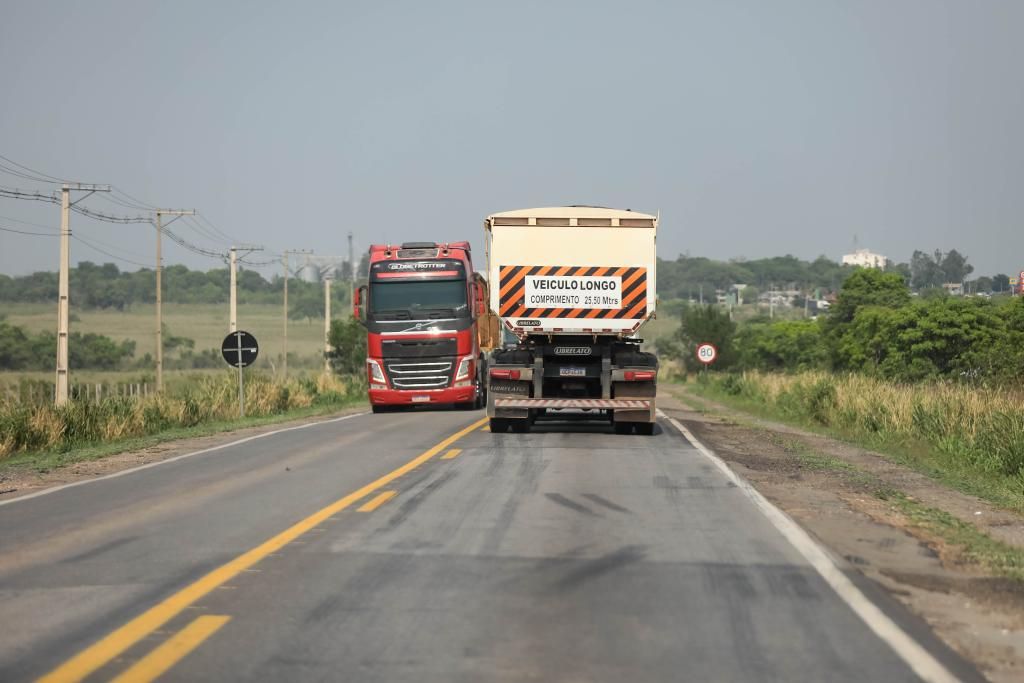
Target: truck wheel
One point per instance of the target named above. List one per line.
(623, 427)
(499, 425)
(482, 383)
(520, 426)
(645, 428)
(381, 409)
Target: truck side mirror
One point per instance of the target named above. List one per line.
(480, 296)
(357, 303)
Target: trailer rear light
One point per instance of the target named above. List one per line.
(639, 375)
(465, 370)
(374, 374)
(505, 374)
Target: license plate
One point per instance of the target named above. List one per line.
(572, 372)
(421, 399)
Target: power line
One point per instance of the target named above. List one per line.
(209, 223)
(109, 218)
(197, 227)
(26, 232)
(35, 225)
(141, 203)
(120, 202)
(41, 177)
(33, 196)
(185, 244)
(107, 253)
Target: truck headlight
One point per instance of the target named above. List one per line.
(376, 375)
(465, 370)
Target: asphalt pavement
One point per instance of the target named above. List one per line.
(420, 547)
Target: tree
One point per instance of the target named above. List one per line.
(868, 287)
(347, 339)
(708, 324)
(785, 345)
(925, 270)
(955, 267)
(1001, 282)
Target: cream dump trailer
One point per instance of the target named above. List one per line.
(573, 285)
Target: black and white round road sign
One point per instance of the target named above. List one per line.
(240, 349)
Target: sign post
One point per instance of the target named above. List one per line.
(240, 350)
(706, 354)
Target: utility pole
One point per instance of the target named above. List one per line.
(160, 213)
(327, 325)
(284, 361)
(233, 296)
(771, 301)
(351, 272)
(60, 396)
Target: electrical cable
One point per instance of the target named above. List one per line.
(107, 253)
(34, 225)
(50, 178)
(26, 232)
(147, 205)
(209, 223)
(198, 228)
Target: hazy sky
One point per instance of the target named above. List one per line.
(755, 128)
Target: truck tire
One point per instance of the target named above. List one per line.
(381, 409)
(481, 383)
(623, 427)
(645, 428)
(499, 425)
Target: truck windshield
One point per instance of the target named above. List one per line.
(419, 296)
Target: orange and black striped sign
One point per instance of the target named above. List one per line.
(630, 292)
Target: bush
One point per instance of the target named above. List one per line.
(26, 427)
(981, 428)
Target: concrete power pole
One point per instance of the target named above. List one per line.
(233, 296)
(327, 325)
(60, 395)
(160, 213)
(351, 273)
(284, 350)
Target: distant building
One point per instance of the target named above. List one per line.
(954, 288)
(864, 259)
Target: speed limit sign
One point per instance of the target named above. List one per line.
(706, 353)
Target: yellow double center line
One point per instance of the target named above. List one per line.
(114, 644)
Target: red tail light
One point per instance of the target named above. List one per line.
(639, 375)
(505, 374)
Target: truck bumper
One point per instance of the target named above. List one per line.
(393, 397)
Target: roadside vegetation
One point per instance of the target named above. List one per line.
(970, 438)
(931, 380)
(43, 430)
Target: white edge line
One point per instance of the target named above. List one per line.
(132, 470)
(923, 663)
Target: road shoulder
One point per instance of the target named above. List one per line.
(19, 481)
(838, 493)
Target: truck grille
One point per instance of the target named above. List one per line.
(434, 374)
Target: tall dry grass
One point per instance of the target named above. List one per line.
(28, 427)
(982, 428)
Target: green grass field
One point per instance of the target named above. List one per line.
(207, 324)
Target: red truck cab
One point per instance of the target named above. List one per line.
(420, 307)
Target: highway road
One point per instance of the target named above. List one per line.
(420, 547)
